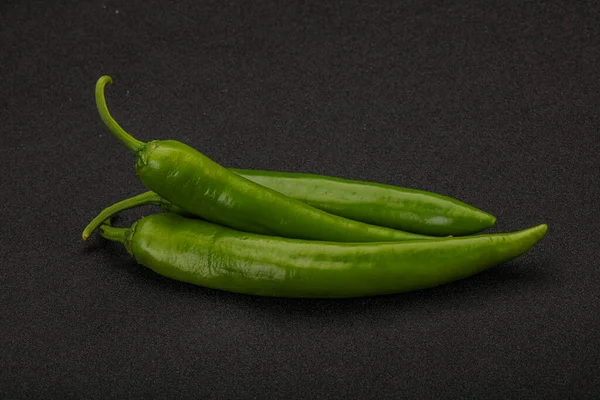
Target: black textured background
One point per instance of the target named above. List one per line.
(497, 105)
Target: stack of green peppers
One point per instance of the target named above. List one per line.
(296, 235)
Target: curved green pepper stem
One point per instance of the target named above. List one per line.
(135, 201)
(129, 141)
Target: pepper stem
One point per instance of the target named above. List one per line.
(129, 141)
(135, 201)
(115, 234)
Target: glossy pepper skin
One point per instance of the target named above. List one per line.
(217, 257)
(200, 186)
(373, 203)
(338, 198)
(395, 207)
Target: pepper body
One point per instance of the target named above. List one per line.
(383, 205)
(373, 203)
(200, 186)
(378, 204)
(214, 256)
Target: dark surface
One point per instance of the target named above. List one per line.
(498, 106)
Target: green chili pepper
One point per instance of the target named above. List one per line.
(395, 207)
(213, 256)
(373, 203)
(338, 203)
(192, 181)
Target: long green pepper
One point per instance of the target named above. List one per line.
(373, 203)
(217, 257)
(318, 191)
(190, 180)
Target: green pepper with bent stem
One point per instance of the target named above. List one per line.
(383, 205)
(190, 180)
